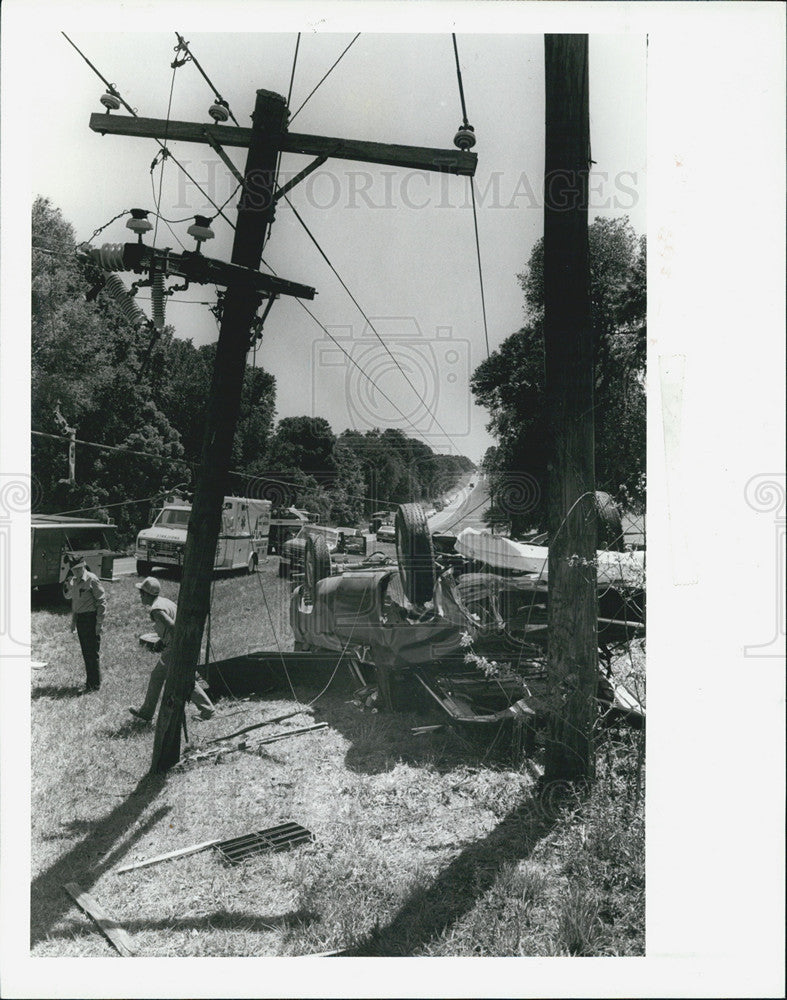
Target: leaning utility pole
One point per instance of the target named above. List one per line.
(264, 140)
(255, 214)
(573, 602)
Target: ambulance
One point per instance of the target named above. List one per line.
(242, 543)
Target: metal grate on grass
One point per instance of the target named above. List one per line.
(277, 838)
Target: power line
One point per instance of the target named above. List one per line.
(292, 119)
(459, 80)
(186, 461)
(183, 44)
(467, 125)
(104, 506)
(165, 155)
(113, 90)
(371, 325)
(480, 273)
(111, 447)
(294, 61)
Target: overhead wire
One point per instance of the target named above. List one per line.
(183, 44)
(164, 156)
(370, 324)
(278, 159)
(113, 90)
(480, 272)
(191, 463)
(352, 361)
(324, 78)
(472, 194)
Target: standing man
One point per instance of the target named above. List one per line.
(88, 608)
(162, 614)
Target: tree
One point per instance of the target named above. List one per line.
(510, 383)
(85, 363)
(348, 491)
(306, 444)
(121, 384)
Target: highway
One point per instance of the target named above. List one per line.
(466, 510)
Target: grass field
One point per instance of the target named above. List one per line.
(424, 845)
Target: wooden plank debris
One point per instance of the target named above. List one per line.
(170, 854)
(273, 838)
(114, 933)
(257, 725)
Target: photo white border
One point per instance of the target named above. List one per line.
(716, 83)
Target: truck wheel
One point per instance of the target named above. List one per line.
(253, 562)
(317, 566)
(415, 553)
(143, 568)
(63, 592)
(610, 526)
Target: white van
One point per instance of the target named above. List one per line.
(243, 537)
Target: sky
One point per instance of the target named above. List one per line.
(402, 241)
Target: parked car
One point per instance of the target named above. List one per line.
(386, 533)
(338, 540)
(380, 517)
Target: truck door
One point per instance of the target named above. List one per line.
(46, 556)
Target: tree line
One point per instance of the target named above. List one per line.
(510, 384)
(141, 394)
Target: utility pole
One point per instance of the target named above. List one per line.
(255, 214)
(264, 140)
(572, 662)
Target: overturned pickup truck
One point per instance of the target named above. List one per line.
(416, 623)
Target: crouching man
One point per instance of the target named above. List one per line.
(162, 614)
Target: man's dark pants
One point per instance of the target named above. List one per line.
(91, 644)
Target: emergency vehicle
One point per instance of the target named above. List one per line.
(242, 543)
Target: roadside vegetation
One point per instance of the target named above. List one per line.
(424, 845)
(137, 397)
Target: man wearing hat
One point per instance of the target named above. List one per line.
(88, 608)
(162, 614)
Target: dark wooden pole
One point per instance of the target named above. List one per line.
(254, 218)
(572, 617)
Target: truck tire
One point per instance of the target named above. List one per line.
(143, 568)
(610, 526)
(253, 563)
(415, 553)
(316, 566)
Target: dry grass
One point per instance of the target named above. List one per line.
(422, 848)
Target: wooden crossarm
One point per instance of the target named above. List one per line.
(453, 161)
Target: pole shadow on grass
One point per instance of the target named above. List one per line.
(432, 910)
(218, 920)
(98, 851)
(58, 691)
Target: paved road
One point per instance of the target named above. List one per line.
(126, 566)
(465, 511)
